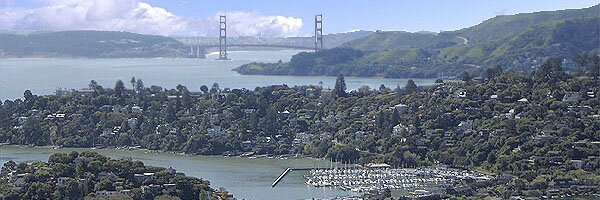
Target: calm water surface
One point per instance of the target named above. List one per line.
(244, 177)
(45, 75)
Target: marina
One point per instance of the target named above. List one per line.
(415, 181)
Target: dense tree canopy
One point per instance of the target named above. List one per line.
(512, 123)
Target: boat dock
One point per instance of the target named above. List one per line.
(281, 176)
(287, 170)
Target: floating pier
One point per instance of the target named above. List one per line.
(281, 176)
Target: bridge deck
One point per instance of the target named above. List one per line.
(260, 45)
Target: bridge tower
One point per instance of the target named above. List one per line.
(318, 32)
(223, 37)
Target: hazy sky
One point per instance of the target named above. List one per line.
(266, 17)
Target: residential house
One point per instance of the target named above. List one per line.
(84, 92)
(571, 97)
(110, 176)
(247, 144)
(302, 138)
(401, 108)
(327, 94)
(216, 131)
(360, 135)
(170, 187)
(21, 120)
(151, 189)
(465, 127)
(577, 164)
(400, 129)
(136, 109)
(461, 93)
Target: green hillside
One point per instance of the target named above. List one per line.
(519, 42)
(385, 40)
(89, 44)
(508, 26)
(556, 38)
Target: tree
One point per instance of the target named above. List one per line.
(139, 88)
(38, 190)
(550, 72)
(581, 61)
(410, 158)
(104, 184)
(93, 84)
(539, 183)
(302, 63)
(398, 91)
(340, 86)
(271, 120)
(119, 88)
(595, 71)
(139, 85)
(180, 88)
(493, 72)
(382, 88)
(215, 88)
(96, 87)
(73, 190)
(95, 166)
(132, 81)
(465, 76)
(411, 87)
(186, 98)
(28, 95)
(204, 89)
(60, 158)
(364, 90)
(9, 166)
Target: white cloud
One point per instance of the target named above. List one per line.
(140, 17)
(244, 23)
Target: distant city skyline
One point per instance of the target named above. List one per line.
(264, 17)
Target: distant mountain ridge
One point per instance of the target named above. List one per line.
(90, 44)
(112, 44)
(520, 42)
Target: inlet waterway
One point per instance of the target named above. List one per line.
(246, 178)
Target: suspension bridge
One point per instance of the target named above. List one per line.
(223, 45)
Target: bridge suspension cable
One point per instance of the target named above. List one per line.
(318, 39)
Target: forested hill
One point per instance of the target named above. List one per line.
(519, 42)
(90, 44)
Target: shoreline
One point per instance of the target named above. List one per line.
(148, 151)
